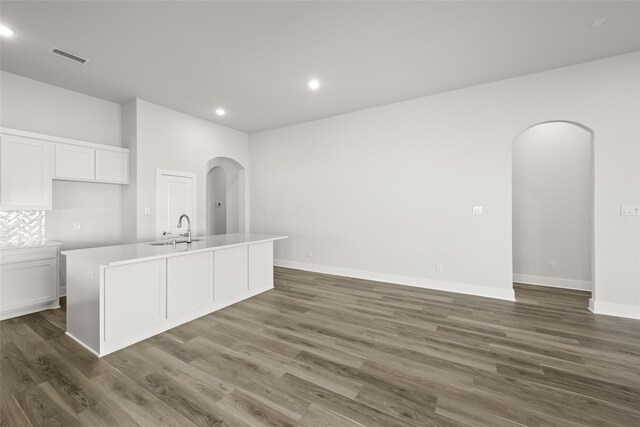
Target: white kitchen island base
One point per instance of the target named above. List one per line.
(120, 295)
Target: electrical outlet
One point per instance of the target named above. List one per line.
(477, 210)
(629, 210)
(439, 268)
(76, 226)
(90, 275)
(266, 211)
(551, 266)
(309, 254)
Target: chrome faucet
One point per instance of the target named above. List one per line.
(188, 233)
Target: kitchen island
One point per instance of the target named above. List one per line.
(119, 295)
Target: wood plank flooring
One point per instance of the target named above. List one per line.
(322, 350)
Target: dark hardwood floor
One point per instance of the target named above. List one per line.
(329, 351)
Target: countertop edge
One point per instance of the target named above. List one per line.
(167, 255)
(47, 243)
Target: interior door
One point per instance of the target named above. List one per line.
(175, 193)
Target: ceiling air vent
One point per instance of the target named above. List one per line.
(68, 56)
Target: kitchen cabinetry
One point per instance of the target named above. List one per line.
(25, 177)
(74, 162)
(230, 271)
(80, 163)
(135, 298)
(29, 280)
(29, 161)
(112, 166)
(120, 295)
(260, 266)
(189, 283)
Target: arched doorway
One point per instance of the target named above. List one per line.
(553, 206)
(225, 196)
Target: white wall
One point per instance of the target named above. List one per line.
(552, 206)
(387, 192)
(168, 139)
(34, 106)
(130, 195)
(96, 207)
(216, 192)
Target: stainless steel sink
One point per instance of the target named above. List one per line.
(160, 243)
(169, 242)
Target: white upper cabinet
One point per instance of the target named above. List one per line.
(31, 160)
(25, 175)
(112, 166)
(74, 162)
(81, 163)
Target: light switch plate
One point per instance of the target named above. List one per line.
(477, 210)
(76, 226)
(147, 211)
(626, 210)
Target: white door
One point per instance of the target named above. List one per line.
(175, 193)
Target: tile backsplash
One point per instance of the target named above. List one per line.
(21, 227)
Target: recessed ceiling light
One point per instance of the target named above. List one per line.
(5, 31)
(220, 112)
(314, 84)
(598, 23)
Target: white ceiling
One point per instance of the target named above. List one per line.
(255, 58)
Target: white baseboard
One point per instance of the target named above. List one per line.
(613, 309)
(28, 310)
(419, 282)
(552, 282)
(82, 344)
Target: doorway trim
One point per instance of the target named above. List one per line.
(592, 211)
(243, 225)
(194, 199)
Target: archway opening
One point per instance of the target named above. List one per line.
(225, 196)
(552, 177)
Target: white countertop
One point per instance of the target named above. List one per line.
(22, 245)
(136, 252)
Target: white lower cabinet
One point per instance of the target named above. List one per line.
(230, 272)
(110, 307)
(261, 266)
(28, 281)
(189, 283)
(135, 298)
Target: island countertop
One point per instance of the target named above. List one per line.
(136, 252)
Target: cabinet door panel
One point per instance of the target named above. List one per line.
(189, 282)
(261, 266)
(25, 177)
(28, 283)
(230, 272)
(134, 297)
(74, 162)
(112, 166)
